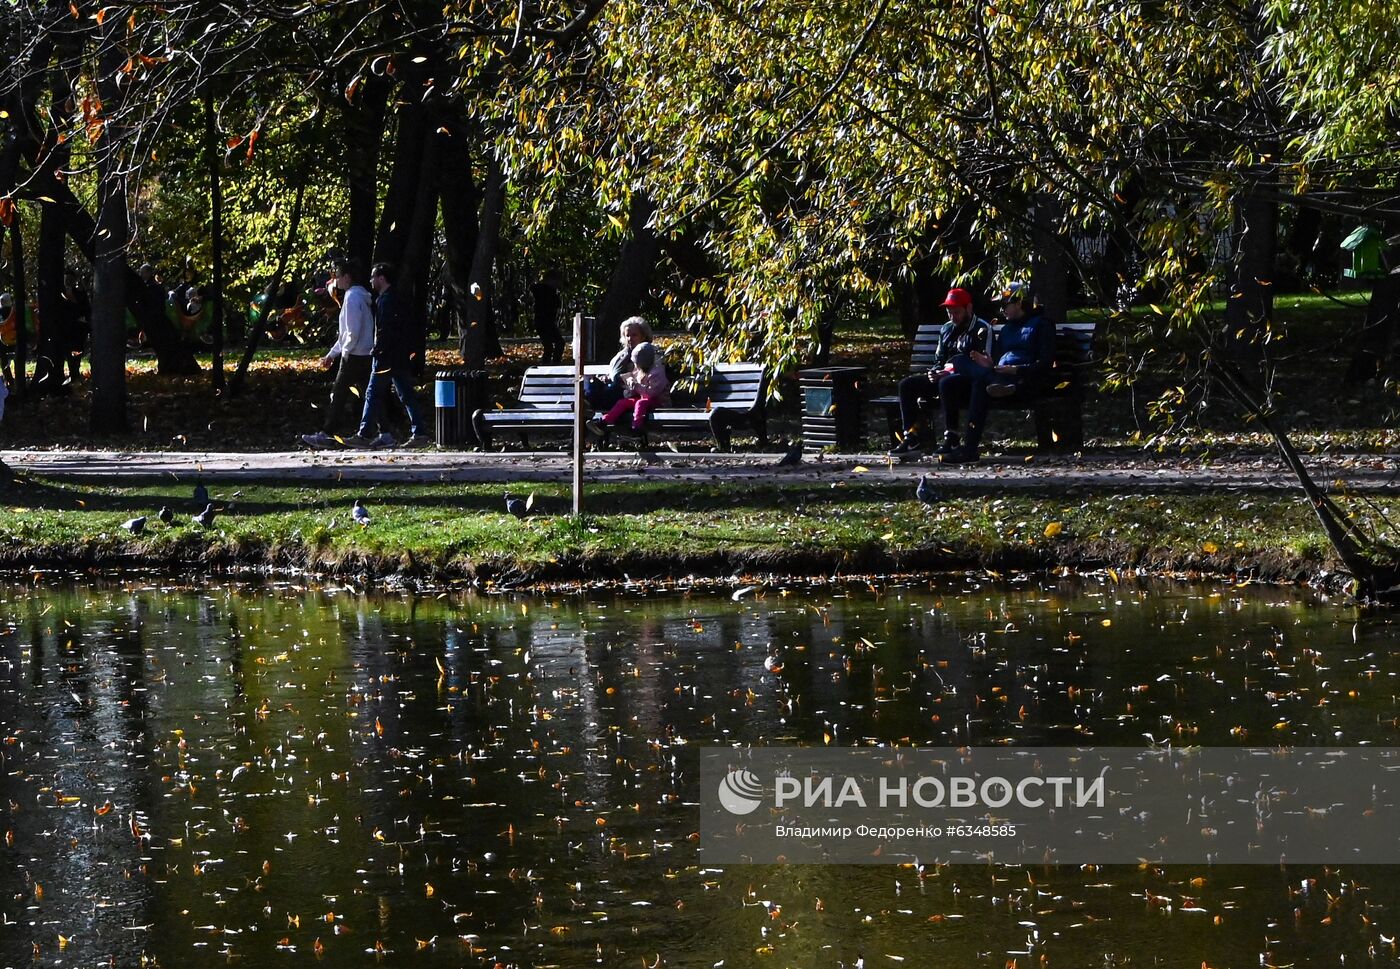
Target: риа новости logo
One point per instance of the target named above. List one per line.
(740, 792)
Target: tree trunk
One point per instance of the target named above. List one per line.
(21, 298)
(460, 199)
(400, 199)
(54, 316)
(109, 277)
(1050, 272)
(364, 131)
(636, 263)
(417, 256)
(1377, 340)
(214, 157)
(1250, 306)
(479, 339)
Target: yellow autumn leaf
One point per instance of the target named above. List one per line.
(1053, 529)
(1210, 548)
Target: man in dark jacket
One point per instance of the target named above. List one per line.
(394, 342)
(963, 333)
(1020, 364)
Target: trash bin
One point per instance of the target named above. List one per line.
(591, 347)
(457, 394)
(831, 408)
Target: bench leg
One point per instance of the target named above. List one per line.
(1044, 427)
(719, 429)
(1069, 424)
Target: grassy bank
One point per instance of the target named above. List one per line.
(453, 532)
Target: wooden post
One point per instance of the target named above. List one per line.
(578, 414)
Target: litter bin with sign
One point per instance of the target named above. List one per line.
(457, 394)
(831, 408)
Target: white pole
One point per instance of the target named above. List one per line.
(578, 414)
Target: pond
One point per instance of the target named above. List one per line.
(266, 774)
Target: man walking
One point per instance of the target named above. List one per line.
(393, 363)
(350, 354)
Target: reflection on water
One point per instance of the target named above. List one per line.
(201, 776)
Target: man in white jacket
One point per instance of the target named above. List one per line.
(350, 355)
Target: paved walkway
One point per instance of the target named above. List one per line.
(1146, 472)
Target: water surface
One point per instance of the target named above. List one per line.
(273, 774)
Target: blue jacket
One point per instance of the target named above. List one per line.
(1029, 344)
(394, 338)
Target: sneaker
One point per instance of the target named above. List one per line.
(417, 441)
(361, 443)
(907, 448)
(596, 429)
(960, 455)
(320, 441)
(999, 388)
(949, 445)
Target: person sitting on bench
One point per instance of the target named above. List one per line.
(963, 332)
(1023, 354)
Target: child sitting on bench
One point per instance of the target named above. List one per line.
(646, 388)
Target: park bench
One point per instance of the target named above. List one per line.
(545, 404)
(716, 401)
(1058, 412)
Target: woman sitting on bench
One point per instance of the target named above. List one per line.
(1024, 353)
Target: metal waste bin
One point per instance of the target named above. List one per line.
(593, 349)
(831, 408)
(457, 394)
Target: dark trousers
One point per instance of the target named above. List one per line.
(378, 392)
(551, 342)
(352, 372)
(973, 388)
(912, 389)
(602, 393)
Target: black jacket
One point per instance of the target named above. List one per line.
(394, 335)
(953, 340)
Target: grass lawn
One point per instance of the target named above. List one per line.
(670, 529)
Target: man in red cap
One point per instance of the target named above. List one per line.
(963, 333)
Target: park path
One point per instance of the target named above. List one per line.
(1132, 471)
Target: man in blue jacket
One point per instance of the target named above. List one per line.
(394, 342)
(1019, 366)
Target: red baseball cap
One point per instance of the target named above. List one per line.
(957, 297)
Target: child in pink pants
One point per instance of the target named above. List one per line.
(646, 388)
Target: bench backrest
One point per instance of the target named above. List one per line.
(1074, 344)
(553, 386)
(732, 386)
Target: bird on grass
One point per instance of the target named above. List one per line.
(205, 519)
(516, 506)
(360, 514)
(791, 457)
(135, 525)
(201, 493)
(165, 515)
(925, 492)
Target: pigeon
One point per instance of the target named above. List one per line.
(201, 493)
(516, 506)
(165, 515)
(205, 519)
(791, 457)
(135, 525)
(360, 514)
(925, 492)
